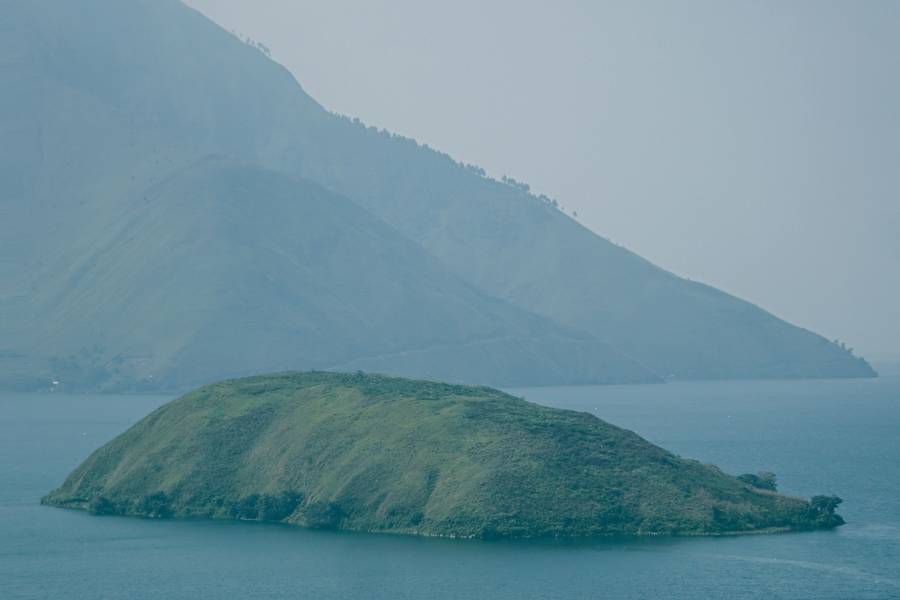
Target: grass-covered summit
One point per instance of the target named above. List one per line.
(373, 453)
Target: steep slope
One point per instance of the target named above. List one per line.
(178, 87)
(371, 453)
(544, 261)
(224, 269)
(139, 253)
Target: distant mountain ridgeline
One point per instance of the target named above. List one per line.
(175, 209)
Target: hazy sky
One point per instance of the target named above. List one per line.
(754, 146)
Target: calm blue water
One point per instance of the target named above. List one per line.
(840, 437)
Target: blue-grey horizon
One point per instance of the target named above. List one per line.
(751, 146)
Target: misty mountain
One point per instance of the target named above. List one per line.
(174, 209)
(137, 255)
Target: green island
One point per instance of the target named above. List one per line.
(364, 452)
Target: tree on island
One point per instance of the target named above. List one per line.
(825, 504)
(764, 480)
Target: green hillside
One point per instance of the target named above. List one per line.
(224, 269)
(116, 264)
(373, 453)
(140, 252)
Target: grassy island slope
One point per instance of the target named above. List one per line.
(373, 453)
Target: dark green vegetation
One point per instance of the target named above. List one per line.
(763, 480)
(373, 453)
(169, 194)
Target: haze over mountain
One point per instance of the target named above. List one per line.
(749, 145)
(176, 209)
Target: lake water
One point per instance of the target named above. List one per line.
(834, 437)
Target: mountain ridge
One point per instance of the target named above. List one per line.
(270, 287)
(109, 98)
